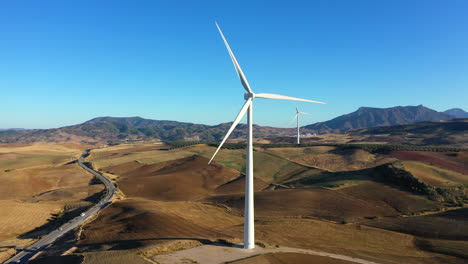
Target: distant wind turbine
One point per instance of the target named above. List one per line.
(249, 237)
(298, 113)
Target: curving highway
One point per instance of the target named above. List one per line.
(46, 241)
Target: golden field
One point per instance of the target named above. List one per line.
(38, 181)
(318, 198)
(174, 195)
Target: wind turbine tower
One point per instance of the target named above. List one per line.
(249, 237)
(298, 113)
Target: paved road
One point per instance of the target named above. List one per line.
(46, 241)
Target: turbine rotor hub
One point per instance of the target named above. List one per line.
(249, 95)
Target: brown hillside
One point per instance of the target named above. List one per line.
(37, 181)
(26, 183)
(331, 158)
(238, 186)
(283, 217)
(184, 179)
(315, 202)
(455, 161)
(296, 258)
(393, 200)
(133, 222)
(447, 225)
(123, 168)
(20, 217)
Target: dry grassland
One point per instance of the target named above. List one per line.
(20, 217)
(330, 158)
(453, 161)
(38, 180)
(356, 241)
(176, 196)
(452, 225)
(394, 201)
(44, 183)
(286, 257)
(316, 203)
(268, 167)
(135, 222)
(435, 176)
(113, 257)
(186, 179)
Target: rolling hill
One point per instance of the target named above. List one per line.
(457, 113)
(452, 132)
(366, 117)
(120, 129)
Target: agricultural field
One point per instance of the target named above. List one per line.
(40, 183)
(279, 258)
(435, 176)
(323, 198)
(173, 200)
(453, 161)
(331, 158)
(451, 225)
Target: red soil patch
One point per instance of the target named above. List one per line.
(445, 160)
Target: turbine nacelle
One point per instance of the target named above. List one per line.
(247, 96)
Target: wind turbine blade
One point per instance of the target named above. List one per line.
(234, 124)
(284, 97)
(241, 75)
(302, 113)
(297, 109)
(294, 118)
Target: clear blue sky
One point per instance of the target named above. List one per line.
(64, 62)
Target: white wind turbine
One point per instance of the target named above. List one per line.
(249, 238)
(298, 113)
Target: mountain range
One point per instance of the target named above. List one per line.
(366, 117)
(118, 129)
(457, 113)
